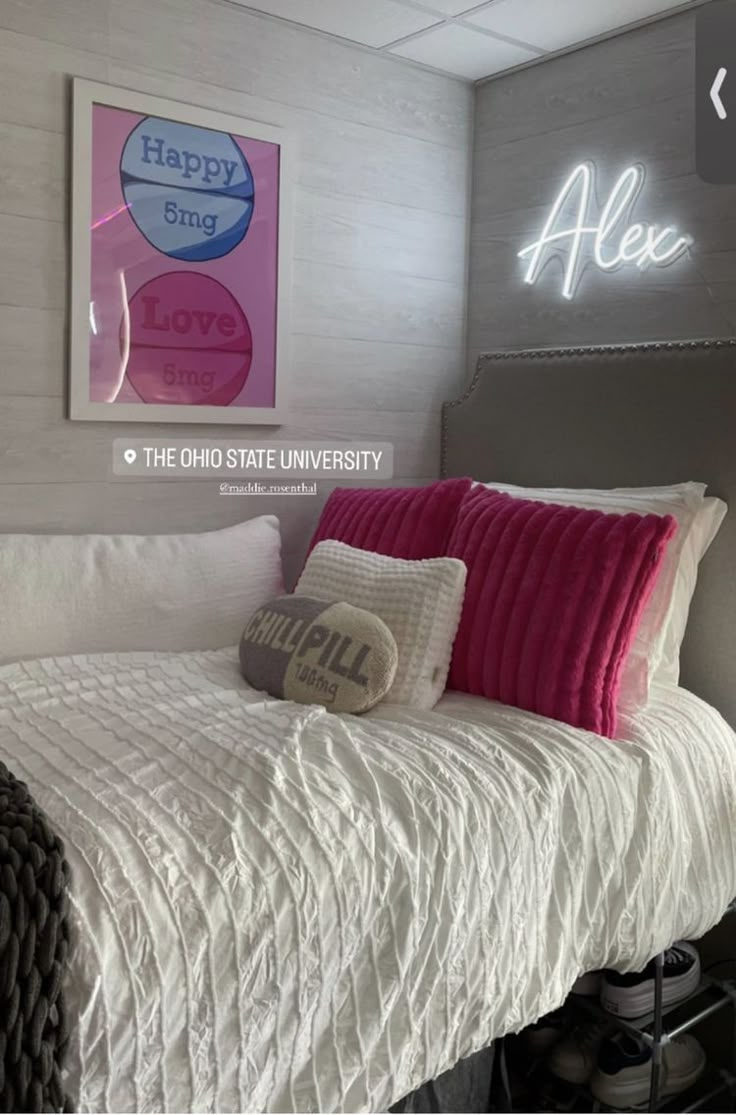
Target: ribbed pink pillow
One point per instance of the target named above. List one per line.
(406, 523)
(553, 598)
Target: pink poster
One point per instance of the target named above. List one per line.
(178, 260)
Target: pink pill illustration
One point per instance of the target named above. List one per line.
(189, 341)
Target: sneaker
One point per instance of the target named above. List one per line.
(574, 1057)
(589, 984)
(632, 995)
(546, 1032)
(623, 1074)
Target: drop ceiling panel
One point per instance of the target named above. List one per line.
(555, 24)
(470, 40)
(374, 23)
(448, 7)
(463, 52)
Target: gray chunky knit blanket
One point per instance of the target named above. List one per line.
(34, 940)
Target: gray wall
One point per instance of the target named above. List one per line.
(380, 246)
(629, 99)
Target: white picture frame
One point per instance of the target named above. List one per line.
(138, 389)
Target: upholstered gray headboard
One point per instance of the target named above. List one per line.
(618, 416)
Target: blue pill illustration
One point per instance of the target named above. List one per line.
(189, 190)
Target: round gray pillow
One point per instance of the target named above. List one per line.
(308, 650)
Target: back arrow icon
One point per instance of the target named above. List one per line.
(715, 90)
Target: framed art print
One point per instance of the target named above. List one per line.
(180, 262)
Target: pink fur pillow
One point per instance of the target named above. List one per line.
(409, 523)
(553, 599)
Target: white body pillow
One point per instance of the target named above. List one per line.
(419, 601)
(76, 594)
(655, 654)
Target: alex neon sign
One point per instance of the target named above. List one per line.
(570, 234)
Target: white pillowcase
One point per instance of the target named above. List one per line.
(655, 654)
(76, 594)
(419, 601)
(704, 528)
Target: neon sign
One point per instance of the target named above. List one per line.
(611, 243)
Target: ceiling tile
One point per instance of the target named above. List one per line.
(448, 7)
(458, 50)
(553, 26)
(374, 24)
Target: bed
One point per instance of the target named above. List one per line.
(279, 909)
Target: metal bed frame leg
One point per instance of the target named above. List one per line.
(655, 1086)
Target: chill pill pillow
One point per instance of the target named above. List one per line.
(308, 650)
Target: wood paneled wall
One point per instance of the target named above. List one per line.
(382, 157)
(628, 99)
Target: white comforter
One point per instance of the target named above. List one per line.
(282, 909)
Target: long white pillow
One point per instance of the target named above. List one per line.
(75, 594)
(419, 601)
(655, 654)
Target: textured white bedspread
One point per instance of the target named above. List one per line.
(282, 909)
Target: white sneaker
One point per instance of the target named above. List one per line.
(575, 1057)
(622, 1077)
(632, 994)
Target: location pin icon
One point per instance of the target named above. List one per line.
(129, 456)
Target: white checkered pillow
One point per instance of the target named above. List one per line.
(419, 601)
